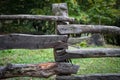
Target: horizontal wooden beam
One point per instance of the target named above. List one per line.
(91, 53)
(43, 70)
(25, 41)
(36, 17)
(78, 39)
(91, 77)
(77, 29)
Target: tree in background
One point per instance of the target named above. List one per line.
(95, 11)
(98, 12)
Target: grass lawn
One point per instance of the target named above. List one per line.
(87, 65)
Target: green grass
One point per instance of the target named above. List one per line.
(22, 56)
(26, 56)
(87, 65)
(98, 65)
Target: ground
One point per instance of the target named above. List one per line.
(87, 65)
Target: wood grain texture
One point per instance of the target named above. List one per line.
(94, 39)
(77, 29)
(91, 53)
(25, 41)
(91, 77)
(72, 40)
(36, 17)
(43, 70)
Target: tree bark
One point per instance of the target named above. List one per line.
(43, 70)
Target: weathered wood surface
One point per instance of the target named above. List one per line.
(43, 70)
(36, 17)
(25, 41)
(78, 40)
(77, 29)
(60, 9)
(91, 53)
(91, 77)
(59, 50)
(94, 39)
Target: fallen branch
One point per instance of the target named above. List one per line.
(43, 70)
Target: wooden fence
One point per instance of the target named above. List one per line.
(61, 67)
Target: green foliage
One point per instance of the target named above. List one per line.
(82, 44)
(94, 11)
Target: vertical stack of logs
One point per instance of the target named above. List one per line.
(60, 9)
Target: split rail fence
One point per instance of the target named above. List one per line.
(61, 67)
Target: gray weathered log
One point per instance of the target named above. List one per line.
(97, 40)
(43, 70)
(91, 77)
(78, 40)
(25, 41)
(36, 17)
(91, 53)
(59, 50)
(77, 29)
(60, 9)
(94, 39)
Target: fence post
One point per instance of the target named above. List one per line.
(60, 9)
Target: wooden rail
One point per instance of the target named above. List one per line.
(36, 17)
(20, 41)
(78, 39)
(43, 70)
(77, 29)
(91, 77)
(91, 53)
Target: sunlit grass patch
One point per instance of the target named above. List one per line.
(98, 65)
(87, 65)
(26, 56)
